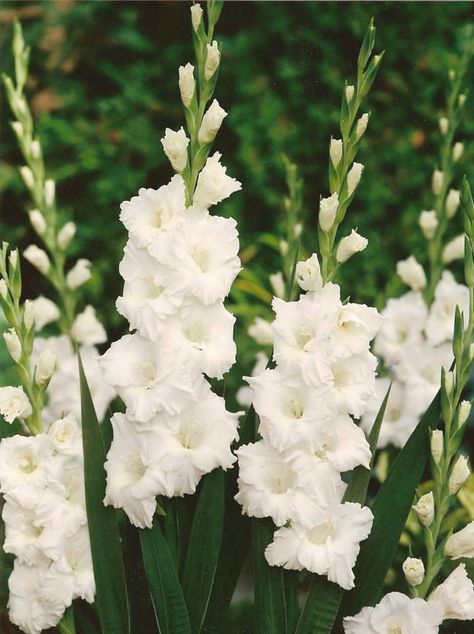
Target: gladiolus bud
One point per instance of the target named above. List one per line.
(454, 250)
(353, 177)
(444, 125)
(361, 126)
(335, 151)
(175, 145)
(79, 274)
(428, 222)
(213, 59)
(414, 571)
(327, 211)
(35, 149)
(65, 235)
(3, 289)
(349, 245)
(27, 176)
(196, 16)
(463, 412)
(461, 100)
(308, 274)
(411, 273)
(349, 93)
(424, 508)
(45, 366)
(459, 475)
(13, 344)
(187, 84)
(458, 151)
(211, 122)
(28, 314)
(448, 382)
(38, 258)
(452, 202)
(437, 181)
(17, 128)
(437, 445)
(38, 221)
(49, 192)
(278, 284)
(461, 544)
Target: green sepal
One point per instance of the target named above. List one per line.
(366, 47)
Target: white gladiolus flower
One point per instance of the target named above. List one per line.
(175, 145)
(153, 212)
(356, 327)
(461, 544)
(327, 211)
(45, 366)
(66, 436)
(196, 16)
(351, 383)
(211, 122)
(38, 221)
(428, 222)
(13, 344)
(335, 151)
(424, 508)
(349, 245)
(49, 192)
(396, 613)
(25, 464)
(76, 561)
(261, 331)
(87, 329)
(79, 274)
(452, 202)
(213, 184)
(65, 235)
(213, 58)
(414, 570)
(459, 474)
(454, 250)
(201, 256)
(411, 273)
(437, 182)
(23, 531)
(455, 595)
(14, 403)
(38, 258)
(244, 394)
(277, 282)
(329, 548)
(353, 177)
(308, 274)
(448, 295)
(458, 151)
(145, 378)
(187, 84)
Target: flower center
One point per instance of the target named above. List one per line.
(135, 467)
(319, 534)
(190, 436)
(395, 630)
(281, 481)
(202, 258)
(195, 333)
(27, 461)
(146, 373)
(303, 335)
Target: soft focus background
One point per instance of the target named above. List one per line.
(103, 88)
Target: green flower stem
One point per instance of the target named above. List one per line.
(292, 208)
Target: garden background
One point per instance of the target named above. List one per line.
(103, 88)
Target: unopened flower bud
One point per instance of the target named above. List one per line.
(437, 181)
(49, 192)
(297, 230)
(471, 352)
(13, 344)
(27, 176)
(411, 273)
(35, 149)
(38, 258)
(196, 16)
(175, 145)
(349, 93)
(79, 274)
(278, 284)
(459, 475)
(449, 381)
(454, 250)
(38, 221)
(283, 247)
(424, 508)
(458, 151)
(335, 151)
(361, 126)
(414, 571)
(211, 122)
(213, 59)
(13, 259)
(308, 274)
(327, 211)
(353, 177)
(461, 544)
(66, 234)
(353, 243)
(45, 366)
(451, 74)
(3, 289)
(452, 202)
(28, 314)
(444, 125)
(18, 128)
(461, 100)
(463, 412)
(437, 445)
(428, 222)
(187, 84)
(44, 311)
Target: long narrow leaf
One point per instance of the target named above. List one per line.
(204, 547)
(111, 592)
(168, 601)
(324, 598)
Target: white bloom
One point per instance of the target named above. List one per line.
(244, 394)
(349, 245)
(461, 544)
(428, 222)
(411, 273)
(79, 274)
(23, 531)
(458, 150)
(175, 145)
(353, 177)
(76, 561)
(455, 595)
(327, 211)
(414, 570)
(38, 221)
(335, 151)
(211, 122)
(398, 614)
(213, 184)
(213, 58)
(14, 403)
(187, 84)
(357, 326)
(145, 378)
(277, 282)
(448, 295)
(87, 329)
(38, 597)
(25, 464)
(329, 548)
(403, 322)
(452, 202)
(352, 382)
(45, 366)
(38, 258)
(66, 436)
(437, 181)
(44, 312)
(65, 235)
(261, 331)
(424, 508)
(13, 344)
(154, 212)
(201, 255)
(454, 250)
(308, 274)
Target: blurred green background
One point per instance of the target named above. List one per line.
(103, 87)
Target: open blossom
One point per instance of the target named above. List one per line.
(261, 331)
(44, 312)
(308, 274)
(351, 244)
(448, 295)
(87, 329)
(14, 403)
(461, 544)
(455, 595)
(244, 394)
(79, 274)
(411, 273)
(213, 184)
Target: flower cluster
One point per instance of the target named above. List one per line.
(324, 374)
(41, 478)
(415, 342)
